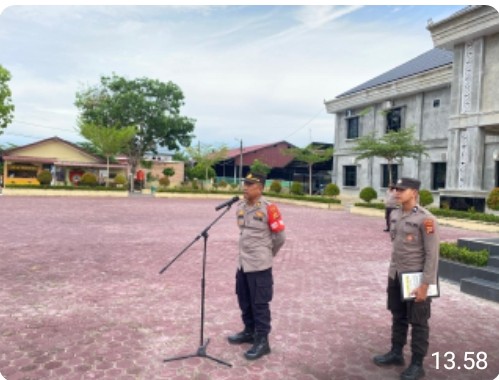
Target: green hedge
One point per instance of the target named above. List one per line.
(479, 216)
(380, 206)
(451, 251)
(465, 215)
(68, 187)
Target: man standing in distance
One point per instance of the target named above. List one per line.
(261, 237)
(415, 237)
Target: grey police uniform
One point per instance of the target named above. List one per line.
(416, 242)
(261, 237)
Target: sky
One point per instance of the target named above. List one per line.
(255, 73)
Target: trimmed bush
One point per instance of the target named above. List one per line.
(451, 251)
(367, 194)
(168, 172)
(425, 198)
(296, 188)
(276, 187)
(222, 184)
(164, 181)
(44, 177)
(120, 179)
(332, 190)
(88, 179)
(493, 199)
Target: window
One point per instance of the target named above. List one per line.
(385, 178)
(394, 120)
(353, 127)
(439, 170)
(350, 175)
(436, 103)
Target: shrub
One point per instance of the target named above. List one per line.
(332, 190)
(425, 198)
(120, 179)
(44, 177)
(452, 252)
(168, 172)
(493, 199)
(222, 184)
(276, 186)
(164, 181)
(88, 179)
(367, 194)
(296, 188)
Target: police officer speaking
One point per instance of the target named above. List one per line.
(415, 237)
(261, 237)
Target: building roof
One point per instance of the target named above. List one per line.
(12, 151)
(269, 154)
(427, 61)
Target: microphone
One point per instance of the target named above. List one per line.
(227, 203)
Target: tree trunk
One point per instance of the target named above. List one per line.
(310, 179)
(107, 177)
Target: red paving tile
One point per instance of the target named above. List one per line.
(81, 297)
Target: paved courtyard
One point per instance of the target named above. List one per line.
(81, 296)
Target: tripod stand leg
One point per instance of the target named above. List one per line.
(201, 353)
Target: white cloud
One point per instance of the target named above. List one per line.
(260, 73)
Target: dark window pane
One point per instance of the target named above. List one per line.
(439, 170)
(350, 176)
(353, 128)
(385, 179)
(394, 120)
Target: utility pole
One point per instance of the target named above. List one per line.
(241, 163)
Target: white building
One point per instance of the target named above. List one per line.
(450, 95)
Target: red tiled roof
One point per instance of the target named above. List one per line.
(270, 154)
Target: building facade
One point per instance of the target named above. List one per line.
(449, 95)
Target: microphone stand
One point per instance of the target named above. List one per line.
(201, 351)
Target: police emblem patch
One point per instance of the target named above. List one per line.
(429, 226)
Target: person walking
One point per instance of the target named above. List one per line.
(415, 239)
(390, 205)
(261, 237)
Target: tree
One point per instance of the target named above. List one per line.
(392, 146)
(311, 155)
(152, 106)
(258, 167)
(109, 141)
(6, 106)
(207, 156)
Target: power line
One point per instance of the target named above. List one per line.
(304, 125)
(42, 126)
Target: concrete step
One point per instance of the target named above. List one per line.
(476, 244)
(481, 288)
(493, 262)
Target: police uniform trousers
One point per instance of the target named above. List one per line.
(254, 292)
(405, 313)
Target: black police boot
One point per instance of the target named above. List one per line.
(245, 336)
(415, 370)
(260, 347)
(394, 356)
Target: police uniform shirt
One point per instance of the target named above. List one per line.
(261, 235)
(416, 243)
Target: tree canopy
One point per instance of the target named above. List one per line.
(311, 154)
(109, 141)
(206, 156)
(392, 146)
(6, 106)
(150, 105)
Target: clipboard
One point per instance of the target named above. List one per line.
(410, 281)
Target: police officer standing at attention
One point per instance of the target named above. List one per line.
(261, 236)
(415, 237)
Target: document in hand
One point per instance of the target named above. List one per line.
(409, 281)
